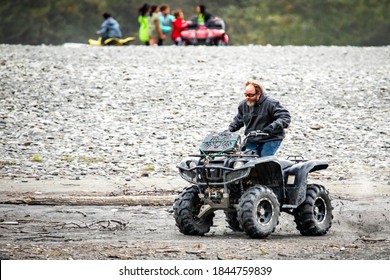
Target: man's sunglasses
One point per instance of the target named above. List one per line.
(249, 94)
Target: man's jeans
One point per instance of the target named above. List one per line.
(265, 149)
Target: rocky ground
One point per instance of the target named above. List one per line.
(120, 115)
(360, 231)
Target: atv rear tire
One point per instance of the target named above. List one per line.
(259, 212)
(314, 216)
(186, 208)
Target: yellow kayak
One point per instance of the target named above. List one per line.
(111, 41)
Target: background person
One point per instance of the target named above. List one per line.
(155, 31)
(261, 112)
(166, 20)
(178, 25)
(110, 28)
(143, 17)
(203, 15)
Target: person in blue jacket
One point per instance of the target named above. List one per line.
(166, 20)
(110, 28)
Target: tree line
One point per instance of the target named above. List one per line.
(275, 22)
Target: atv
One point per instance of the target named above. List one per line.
(211, 34)
(251, 190)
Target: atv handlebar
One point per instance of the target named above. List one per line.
(257, 133)
(250, 134)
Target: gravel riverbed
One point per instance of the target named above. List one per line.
(124, 113)
(72, 116)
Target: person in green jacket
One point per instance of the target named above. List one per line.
(203, 15)
(143, 15)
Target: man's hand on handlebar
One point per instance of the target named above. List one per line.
(225, 132)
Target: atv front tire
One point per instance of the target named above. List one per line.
(259, 212)
(314, 216)
(186, 208)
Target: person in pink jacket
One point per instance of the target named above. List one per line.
(178, 25)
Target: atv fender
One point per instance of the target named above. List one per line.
(296, 189)
(267, 171)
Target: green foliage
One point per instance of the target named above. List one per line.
(276, 22)
(302, 22)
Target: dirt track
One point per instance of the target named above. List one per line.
(360, 230)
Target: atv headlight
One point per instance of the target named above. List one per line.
(191, 164)
(187, 169)
(238, 164)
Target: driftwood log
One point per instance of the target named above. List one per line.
(56, 199)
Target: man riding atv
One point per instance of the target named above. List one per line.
(260, 112)
(252, 188)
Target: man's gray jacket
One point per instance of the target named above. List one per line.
(267, 115)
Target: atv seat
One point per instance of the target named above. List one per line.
(192, 25)
(215, 24)
(284, 163)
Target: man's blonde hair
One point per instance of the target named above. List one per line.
(258, 88)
